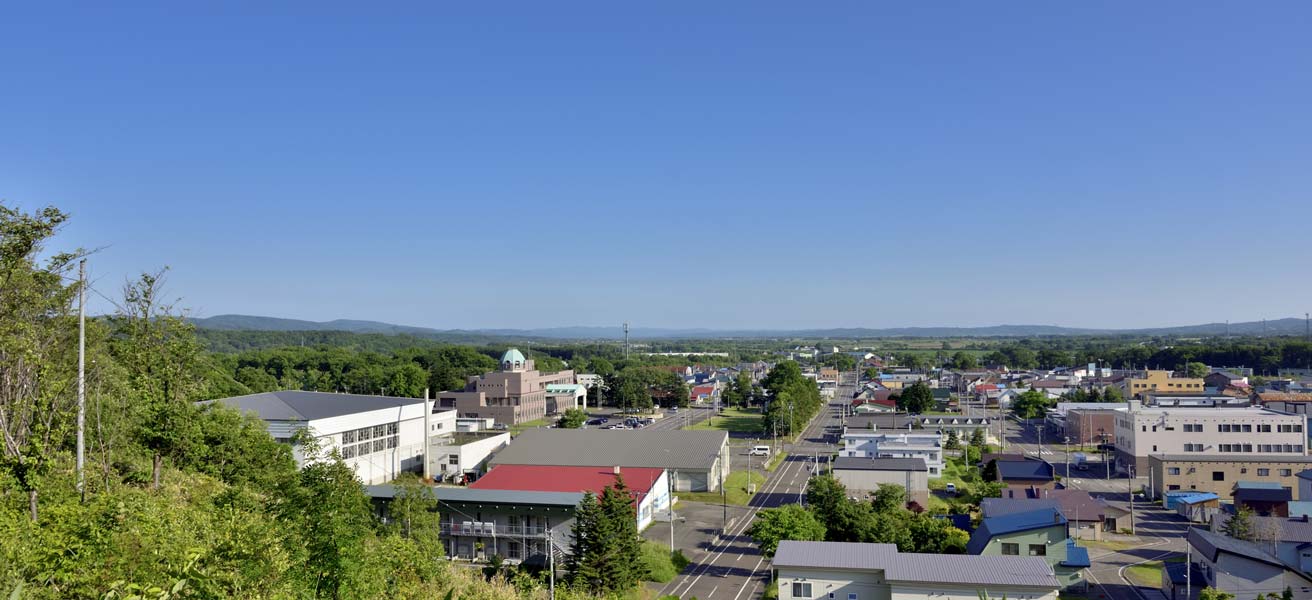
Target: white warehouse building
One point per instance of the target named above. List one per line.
(864, 443)
(378, 436)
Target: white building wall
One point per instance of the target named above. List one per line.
(1162, 431)
(401, 431)
(655, 503)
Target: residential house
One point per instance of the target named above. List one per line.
(1241, 568)
(1041, 532)
(379, 437)
(1264, 498)
(1015, 471)
(1220, 380)
(864, 475)
(964, 426)
(1086, 516)
(852, 571)
(703, 393)
(697, 460)
(650, 487)
(1218, 473)
(882, 421)
(1142, 431)
(1289, 539)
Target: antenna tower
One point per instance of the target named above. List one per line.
(626, 340)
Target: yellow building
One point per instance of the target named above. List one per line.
(1162, 382)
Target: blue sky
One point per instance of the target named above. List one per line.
(753, 164)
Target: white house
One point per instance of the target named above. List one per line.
(378, 436)
(451, 458)
(851, 571)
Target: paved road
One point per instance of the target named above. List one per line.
(730, 567)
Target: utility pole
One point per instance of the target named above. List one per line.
(1130, 487)
(551, 561)
(626, 340)
(81, 378)
(1067, 440)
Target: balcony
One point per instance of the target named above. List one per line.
(469, 528)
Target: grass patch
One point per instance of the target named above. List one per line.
(775, 461)
(662, 565)
(771, 591)
(733, 420)
(534, 424)
(1113, 545)
(1149, 574)
(735, 486)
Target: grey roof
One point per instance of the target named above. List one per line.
(880, 464)
(1029, 571)
(1286, 529)
(1210, 544)
(474, 496)
(1232, 458)
(692, 450)
(296, 405)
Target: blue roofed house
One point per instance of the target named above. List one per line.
(1041, 532)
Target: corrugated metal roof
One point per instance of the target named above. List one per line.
(991, 527)
(879, 464)
(1028, 571)
(473, 496)
(1210, 544)
(692, 450)
(296, 405)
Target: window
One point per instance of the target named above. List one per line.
(1285, 472)
(801, 589)
(453, 459)
(851, 596)
(1218, 475)
(1264, 428)
(1263, 472)
(348, 437)
(380, 445)
(1173, 470)
(1010, 549)
(1248, 429)
(348, 452)
(513, 550)
(1038, 550)
(1173, 487)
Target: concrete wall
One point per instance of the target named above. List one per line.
(1173, 475)
(469, 456)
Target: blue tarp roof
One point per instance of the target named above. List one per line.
(1196, 498)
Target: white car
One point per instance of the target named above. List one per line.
(951, 488)
(759, 451)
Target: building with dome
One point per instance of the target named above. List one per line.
(515, 394)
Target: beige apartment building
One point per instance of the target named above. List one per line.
(515, 394)
(1160, 381)
(1142, 431)
(1218, 474)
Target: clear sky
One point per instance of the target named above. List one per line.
(713, 164)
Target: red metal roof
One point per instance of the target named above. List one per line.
(538, 478)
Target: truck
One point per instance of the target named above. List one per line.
(1080, 461)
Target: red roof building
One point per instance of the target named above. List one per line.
(537, 478)
(702, 392)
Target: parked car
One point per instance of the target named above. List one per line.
(759, 451)
(951, 488)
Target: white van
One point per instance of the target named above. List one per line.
(759, 451)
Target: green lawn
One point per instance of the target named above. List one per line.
(733, 420)
(1149, 574)
(543, 422)
(735, 486)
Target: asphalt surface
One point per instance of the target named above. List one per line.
(729, 566)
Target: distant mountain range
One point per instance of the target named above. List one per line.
(1289, 326)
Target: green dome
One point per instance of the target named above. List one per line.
(512, 358)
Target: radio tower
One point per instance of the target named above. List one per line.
(626, 340)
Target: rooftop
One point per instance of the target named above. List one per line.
(1211, 544)
(473, 496)
(1026, 571)
(675, 449)
(296, 405)
(879, 464)
(1024, 469)
(991, 527)
(533, 478)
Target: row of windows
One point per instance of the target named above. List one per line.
(1013, 549)
(1242, 471)
(1281, 448)
(369, 447)
(368, 433)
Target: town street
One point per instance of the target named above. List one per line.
(730, 566)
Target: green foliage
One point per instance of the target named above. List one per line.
(840, 361)
(916, 398)
(890, 497)
(1211, 593)
(1195, 369)
(662, 565)
(794, 399)
(1240, 525)
(1031, 404)
(788, 522)
(953, 442)
(964, 360)
(573, 418)
(606, 550)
